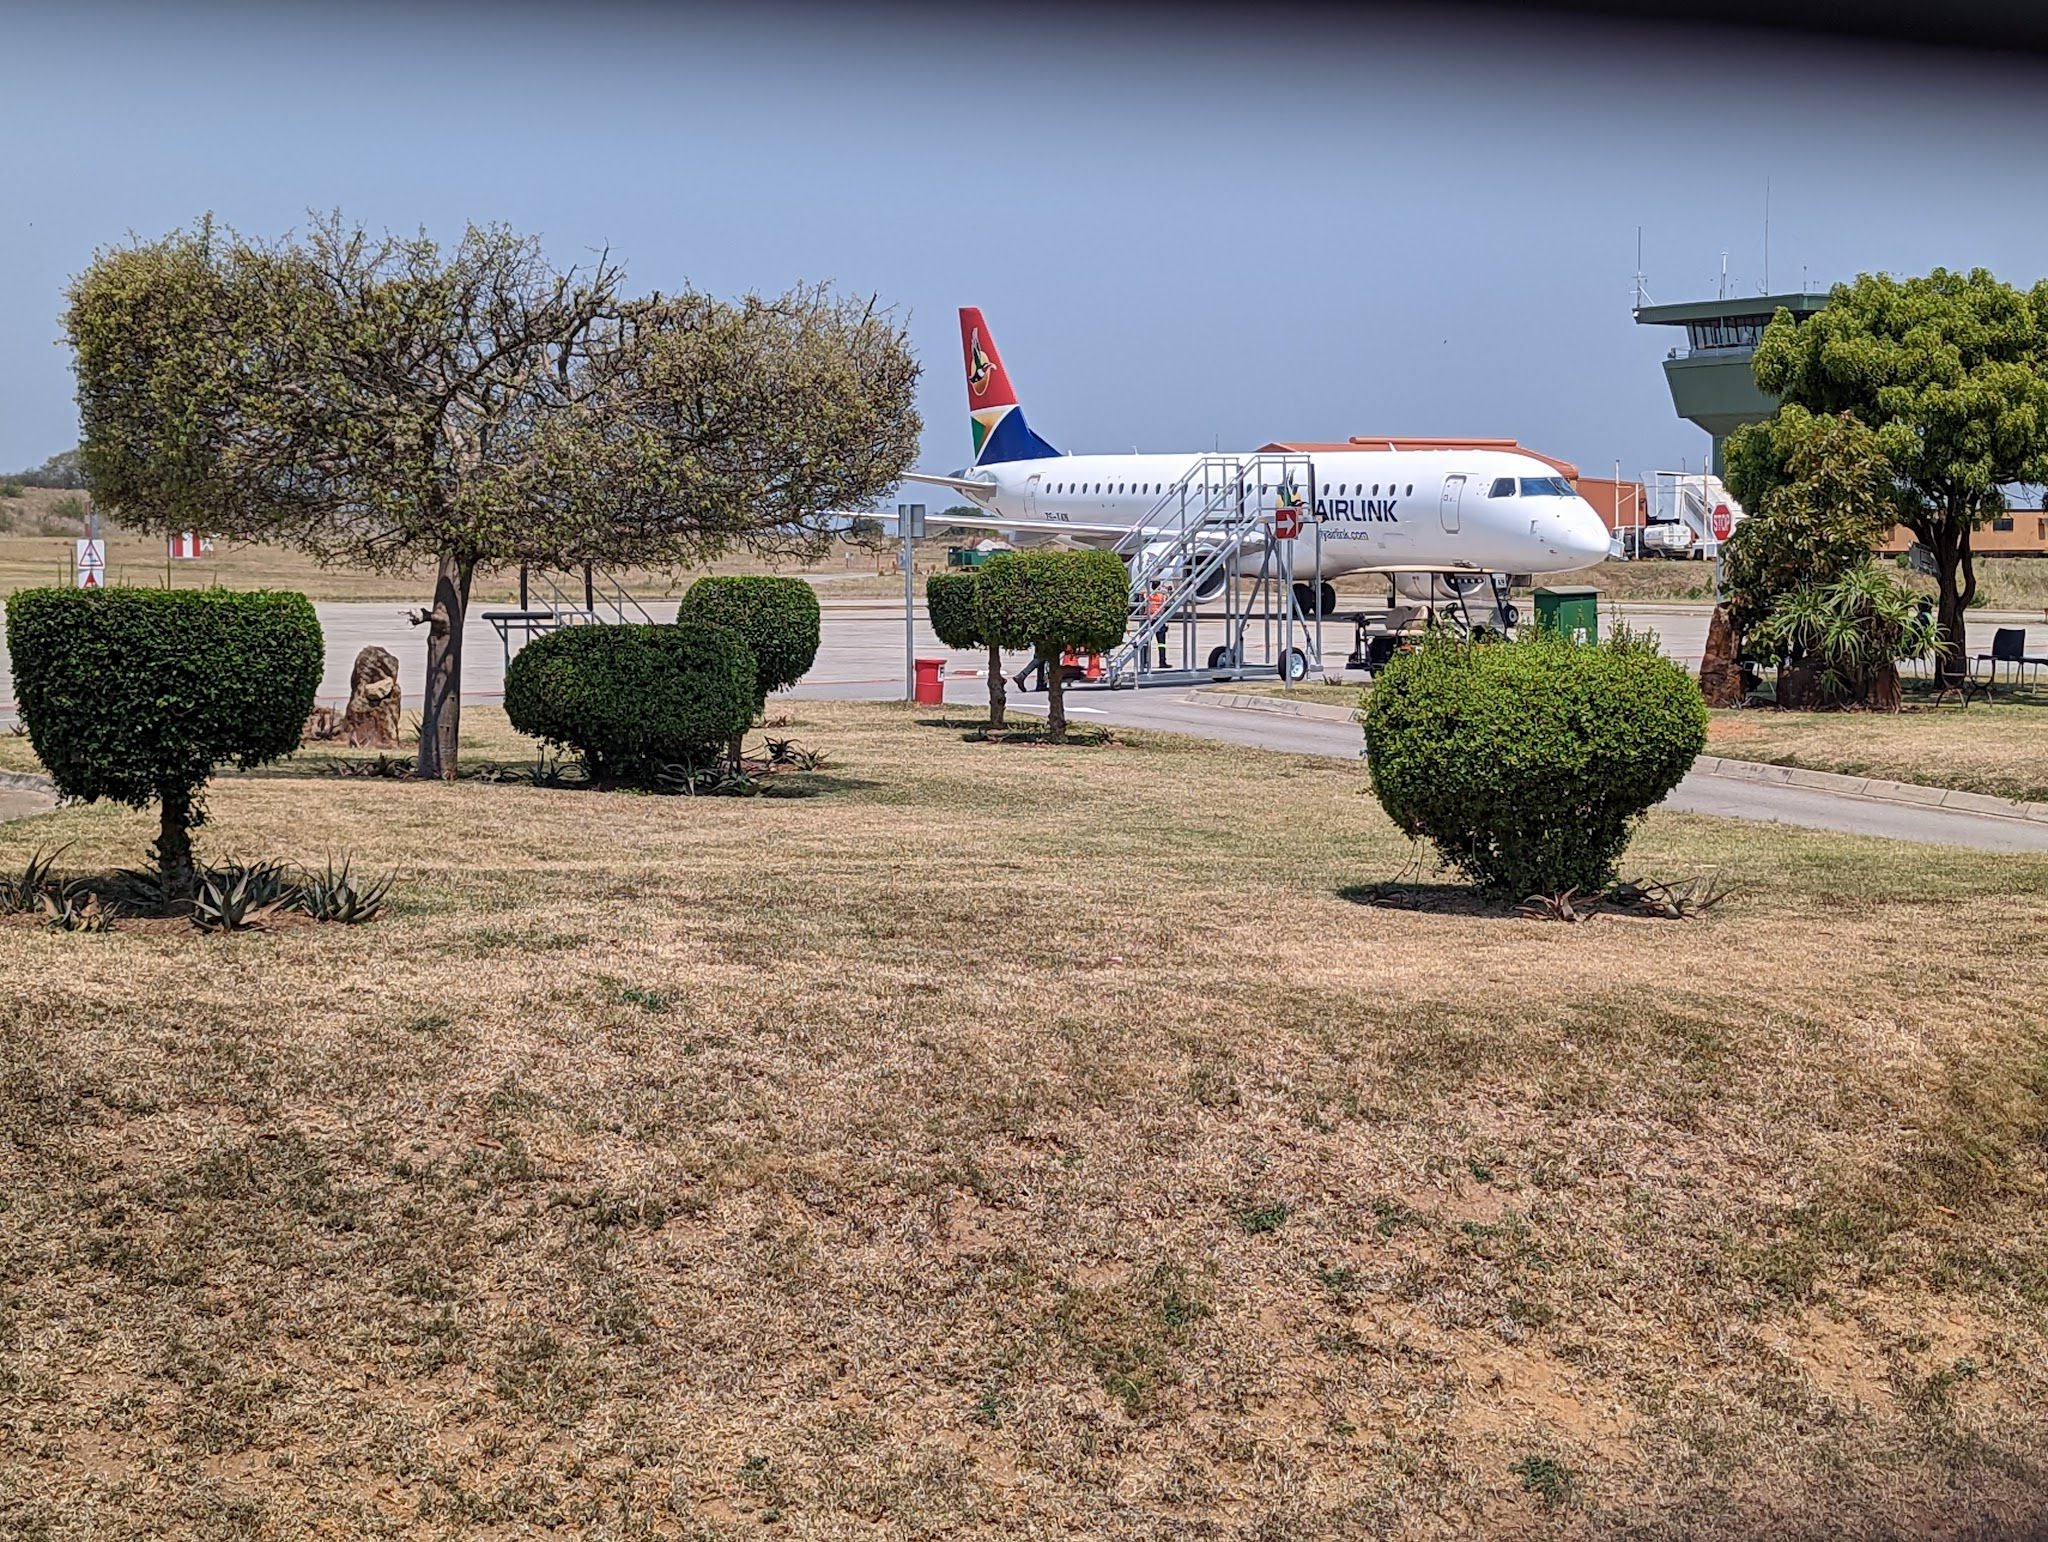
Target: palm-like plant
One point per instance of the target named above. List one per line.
(1855, 628)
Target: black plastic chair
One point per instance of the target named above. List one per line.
(2008, 646)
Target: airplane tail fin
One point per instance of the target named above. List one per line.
(1000, 432)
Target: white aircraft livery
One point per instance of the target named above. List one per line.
(1376, 503)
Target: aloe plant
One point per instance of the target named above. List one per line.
(333, 895)
(230, 900)
(24, 891)
(76, 911)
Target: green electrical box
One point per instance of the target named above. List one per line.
(1572, 611)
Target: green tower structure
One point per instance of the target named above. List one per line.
(1710, 378)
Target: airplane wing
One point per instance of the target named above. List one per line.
(969, 485)
(980, 487)
(1031, 526)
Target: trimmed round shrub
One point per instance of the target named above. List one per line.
(632, 699)
(1053, 601)
(1528, 763)
(1057, 600)
(952, 602)
(777, 618)
(138, 694)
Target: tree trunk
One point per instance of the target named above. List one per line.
(441, 702)
(733, 749)
(174, 843)
(1955, 576)
(998, 695)
(1055, 699)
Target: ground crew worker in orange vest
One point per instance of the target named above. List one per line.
(1155, 602)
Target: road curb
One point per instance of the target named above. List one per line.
(28, 781)
(1876, 788)
(1240, 702)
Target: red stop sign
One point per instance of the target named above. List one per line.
(1724, 522)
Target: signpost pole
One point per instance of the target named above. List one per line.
(909, 525)
(1723, 526)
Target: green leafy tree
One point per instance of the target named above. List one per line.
(381, 402)
(953, 602)
(1950, 375)
(1055, 602)
(139, 694)
(1820, 497)
(1528, 763)
(60, 470)
(777, 618)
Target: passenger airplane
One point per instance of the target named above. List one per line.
(1486, 505)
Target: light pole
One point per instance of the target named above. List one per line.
(909, 525)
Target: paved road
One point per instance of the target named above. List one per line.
(862, 657)
(1699, 793)
(20, 802)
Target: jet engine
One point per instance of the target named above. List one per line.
(1159, 551)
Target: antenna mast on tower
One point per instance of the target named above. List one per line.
(1767, 235)
(1642, 294)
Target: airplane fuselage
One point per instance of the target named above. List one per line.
(1488, 509)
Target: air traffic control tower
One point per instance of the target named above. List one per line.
(1710, 380)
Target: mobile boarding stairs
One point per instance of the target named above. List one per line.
(1211, 539)
(604, 600)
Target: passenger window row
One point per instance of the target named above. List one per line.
(1503, 488)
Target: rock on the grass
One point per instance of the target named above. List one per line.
(1720, 674)
(371, 720)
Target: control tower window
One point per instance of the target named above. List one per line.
(1727, 332)
(1503, 487)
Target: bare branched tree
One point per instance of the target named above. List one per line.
(379, 402)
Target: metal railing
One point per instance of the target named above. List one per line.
(604, 600)
(1193, 546)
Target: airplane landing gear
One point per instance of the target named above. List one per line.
(1316, 600)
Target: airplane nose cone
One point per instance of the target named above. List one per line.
(1584, 534)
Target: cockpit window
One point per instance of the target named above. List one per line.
(1503, 487)
(1547, 487)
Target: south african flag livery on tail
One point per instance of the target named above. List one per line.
(1000, 432)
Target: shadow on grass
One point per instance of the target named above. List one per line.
(1029, 731)
(816, 786)
(1448, 899)
(775, 783)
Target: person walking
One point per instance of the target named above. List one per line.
(1155, 602)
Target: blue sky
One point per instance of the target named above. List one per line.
(1183, 233)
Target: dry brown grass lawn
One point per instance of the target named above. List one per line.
(28, 559)
(1998, 746)
(1018, 1141)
